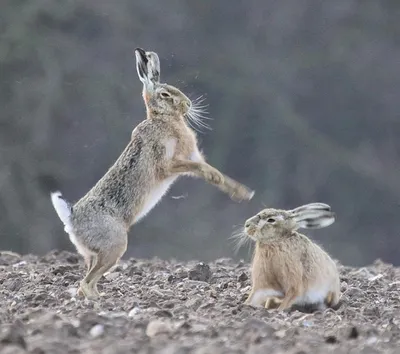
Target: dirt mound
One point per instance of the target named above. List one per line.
(155, 306)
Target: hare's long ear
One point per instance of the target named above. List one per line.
(312, 216)
(153, 67)
(148, 68)
(312, 206)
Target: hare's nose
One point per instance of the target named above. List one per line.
(253, 220)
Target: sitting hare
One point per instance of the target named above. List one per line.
(288, 268)
(161, 148)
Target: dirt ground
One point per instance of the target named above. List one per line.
(155, 306)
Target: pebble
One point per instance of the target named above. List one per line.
(134, 312)
(200, 272)
(157, 327)
(72, 292)
(112, 276)
(96, 331)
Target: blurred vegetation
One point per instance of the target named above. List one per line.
(303, 96)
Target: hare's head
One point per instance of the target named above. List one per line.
(271, 224)
(160, 99)
(163, 99)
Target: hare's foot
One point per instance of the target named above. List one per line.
(272, 303)
(252, 300)
(87, 291)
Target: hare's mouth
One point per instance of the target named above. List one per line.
(250, 231)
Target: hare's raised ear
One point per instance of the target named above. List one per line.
(312, 216)
(312, 206)
(148, 67)
(153, 67)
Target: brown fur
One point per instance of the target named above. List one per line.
(287, 263)
(161, 148)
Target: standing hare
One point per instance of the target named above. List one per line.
(288, 268)
(161, 148)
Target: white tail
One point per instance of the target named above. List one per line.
(62, 208)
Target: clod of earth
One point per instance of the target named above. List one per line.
(200, 272)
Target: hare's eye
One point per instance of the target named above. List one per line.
(165, 94)
(271, 220)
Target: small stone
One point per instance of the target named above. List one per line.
(133, 312)
(157, 327)
(212, 293)
(280, 334)
(171, 278)
(243, 277)
(193, 303)
(331, 339)
(96, 331)
(245, 290)
(371, 340)
(354, 333)
(308, 323)
(200, 272)
(72, 292)
(112, 276)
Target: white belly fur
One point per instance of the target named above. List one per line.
(155, 196)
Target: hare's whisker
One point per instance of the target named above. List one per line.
(199, 111)
(196, 119)
(239, 239)
(192, 126)
(203, 117)
(199, 105)
(199, 99)
(197, 114)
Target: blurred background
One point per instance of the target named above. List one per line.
(304, 96)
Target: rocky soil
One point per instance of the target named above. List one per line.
(156, 306)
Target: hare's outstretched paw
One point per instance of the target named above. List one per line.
(237, 191)
(242, 193)
(214, 176)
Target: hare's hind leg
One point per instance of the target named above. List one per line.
(106, 258)
(236, 190)
(90, 261)
(288, 300)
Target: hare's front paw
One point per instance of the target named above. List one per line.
(242, 193)
(214, 176)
